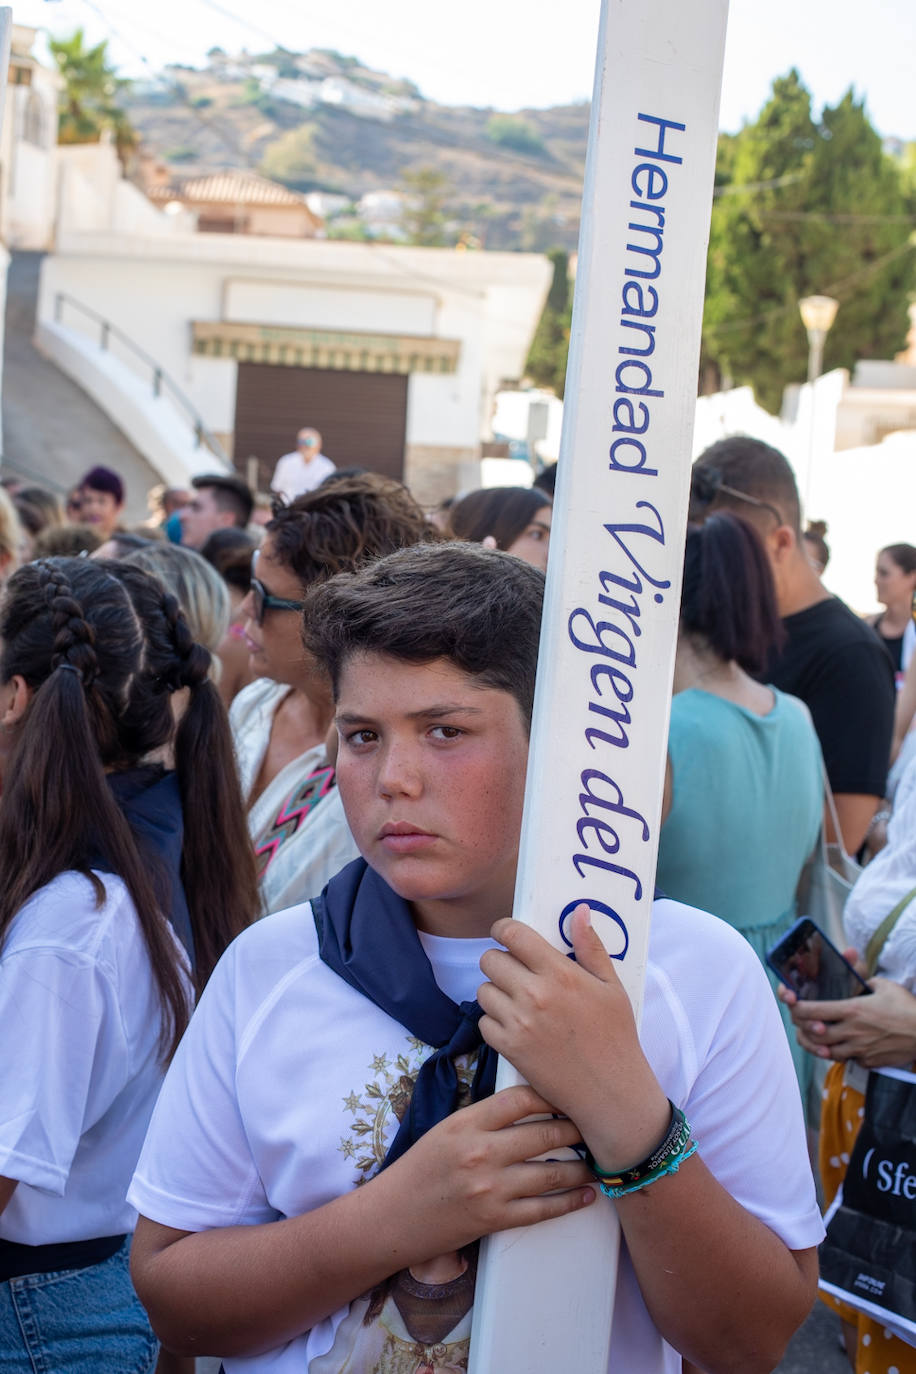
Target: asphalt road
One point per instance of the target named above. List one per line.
(816, 1348)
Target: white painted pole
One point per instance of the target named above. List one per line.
(545, 1296)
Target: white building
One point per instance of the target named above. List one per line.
(382, 212)
(393, 353)
(27, 147)
(852, 446)
(346, 95)
(295, 91)
(326, 204)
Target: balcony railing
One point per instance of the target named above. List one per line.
(161, 384)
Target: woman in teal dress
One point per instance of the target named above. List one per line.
(744, 789)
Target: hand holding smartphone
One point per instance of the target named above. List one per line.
(806, 961)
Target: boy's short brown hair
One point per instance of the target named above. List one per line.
(478, 608)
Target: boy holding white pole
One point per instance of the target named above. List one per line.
(310, 1062)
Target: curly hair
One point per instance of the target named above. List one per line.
(346, 523)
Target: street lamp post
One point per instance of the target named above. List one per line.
(818, 314)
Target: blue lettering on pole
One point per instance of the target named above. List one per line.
(607, 628)
(644, 249)
(601, 909)
(607, 632)
(663, 125)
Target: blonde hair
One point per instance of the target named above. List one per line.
(11, 536)
(200, 591)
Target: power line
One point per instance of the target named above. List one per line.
(829, 217)
(177, 90)
(837, 288)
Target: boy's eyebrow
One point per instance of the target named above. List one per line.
(441, 709)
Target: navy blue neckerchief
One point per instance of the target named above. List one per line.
(367, 935)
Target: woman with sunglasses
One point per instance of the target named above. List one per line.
(282, 721)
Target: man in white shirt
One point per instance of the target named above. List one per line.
(304, 469)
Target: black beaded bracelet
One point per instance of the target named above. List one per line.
(671, 1148)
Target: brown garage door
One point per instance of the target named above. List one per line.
(362, 416)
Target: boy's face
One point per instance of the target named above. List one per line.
(431, 771)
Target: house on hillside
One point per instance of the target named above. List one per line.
(235, 202)
(294, 90)
(382, 212)
(346, 95)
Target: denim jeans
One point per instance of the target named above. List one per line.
(76, 1321)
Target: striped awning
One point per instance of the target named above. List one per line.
(340, 352)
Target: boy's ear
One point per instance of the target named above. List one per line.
(15, 696)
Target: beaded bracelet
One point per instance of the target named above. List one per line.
(667, 1158)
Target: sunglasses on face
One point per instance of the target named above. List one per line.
(263, 601)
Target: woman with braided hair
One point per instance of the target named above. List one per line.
(94, 987)
(181, 793)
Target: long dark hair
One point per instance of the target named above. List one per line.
(904, 555)
(69, 630)
(218, 870)
(728, 597)
(503, 512)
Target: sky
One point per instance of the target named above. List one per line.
(510, 55)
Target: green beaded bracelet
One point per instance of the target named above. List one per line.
(666, 1158)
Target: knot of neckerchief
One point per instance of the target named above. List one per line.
(366, 934)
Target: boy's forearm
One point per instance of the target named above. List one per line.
(245, 1289)
(720, 1286)
(242, 1290)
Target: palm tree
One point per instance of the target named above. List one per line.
(89, 101)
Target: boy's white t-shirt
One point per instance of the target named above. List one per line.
(285, 1092)
(79, 1021)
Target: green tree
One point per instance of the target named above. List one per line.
(804, 207)
(546, 365)
(291, 158)
(518, 134)
(424, 218)
(89, 100)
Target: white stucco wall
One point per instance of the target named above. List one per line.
(155, 425)
(154, 287)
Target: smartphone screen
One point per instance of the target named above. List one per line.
(812, 967)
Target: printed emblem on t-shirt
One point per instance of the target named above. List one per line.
(419, 1320)
(379, 1106)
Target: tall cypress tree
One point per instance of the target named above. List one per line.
(808, 208)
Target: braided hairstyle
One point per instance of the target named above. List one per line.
(217, 863)
(69, 630)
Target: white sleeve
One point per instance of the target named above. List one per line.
(196, 1171)
(276, 482)
(744, 1104)
(61, 1026)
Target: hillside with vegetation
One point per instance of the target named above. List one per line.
(504, 181)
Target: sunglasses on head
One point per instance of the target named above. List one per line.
(263, 601)
(706, 484)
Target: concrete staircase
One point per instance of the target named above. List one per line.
(52, 431)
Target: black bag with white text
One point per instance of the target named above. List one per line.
(868, 1258)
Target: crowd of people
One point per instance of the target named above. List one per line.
(261, 778)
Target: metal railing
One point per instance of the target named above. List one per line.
(161, 383)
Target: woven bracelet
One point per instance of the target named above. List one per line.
(666, 1158)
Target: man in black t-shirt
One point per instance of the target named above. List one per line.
(830, 658)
